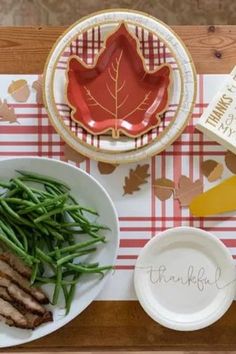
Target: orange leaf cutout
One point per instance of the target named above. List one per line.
(19, 90)
(188, 190)
(163, 188)
(136, 178)
(7, 113)
(72, 155)
(117, 93)
(106, 168)
(37, 85)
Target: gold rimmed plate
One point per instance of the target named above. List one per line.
(159, 45)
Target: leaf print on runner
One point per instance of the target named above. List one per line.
(117, 93)
(163, 188)
(135, 179)
(37, 86)
(188, 190)
(7, 113)
(106, 168)
(72, 155)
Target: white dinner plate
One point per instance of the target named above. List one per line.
(185, 278)
(87, 190)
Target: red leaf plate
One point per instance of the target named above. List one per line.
(117, 93)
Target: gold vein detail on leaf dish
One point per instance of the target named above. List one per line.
(118, 93)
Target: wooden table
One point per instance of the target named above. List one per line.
(112, 324)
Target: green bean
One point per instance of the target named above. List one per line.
(88, 210)
(89, 265)
(26, 189)
(14, 215)
(71, 294)
(12, 192)
(58, 280)
(43, 256)
(53, 280)
(77, 246)
(42, 178)
(17, 201)
(70, 224)
(9, 232)
(82, 269)
(40, 192)
(46, 203)
(23, 236)
(5, 184)
(56, 234)
(48, 215)
(74, 255)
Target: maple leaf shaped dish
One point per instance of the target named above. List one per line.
(117, 93)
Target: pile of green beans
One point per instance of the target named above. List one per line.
(42, 225)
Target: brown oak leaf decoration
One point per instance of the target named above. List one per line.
(7, 113)
(118, 93)
(187, 190)
(136, 178)
(72, 155)
(163, 188)
(37, 85)
(106, 168)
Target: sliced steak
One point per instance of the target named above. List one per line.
(16, 263)
(22, 282)
(4, 294)
(33, 320)
(20, 296)
(36, 320)
(6, 321)
(8, 311)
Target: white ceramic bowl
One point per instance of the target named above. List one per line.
(87, 190)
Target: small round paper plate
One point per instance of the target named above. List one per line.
(84, 39)
(185, 278)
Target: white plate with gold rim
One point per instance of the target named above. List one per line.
(185, 278)
(125, 149)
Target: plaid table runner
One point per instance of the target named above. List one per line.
(141, 214)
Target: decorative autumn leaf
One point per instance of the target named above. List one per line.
(7, 113)
(19, 90)
(212, 170)
(136, 178)
(106, 168)
(163, 188)
(230, 161)
(187, 190)
(37, 85)
(72, 155)
(117, 93)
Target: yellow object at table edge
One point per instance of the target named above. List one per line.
(217, 200)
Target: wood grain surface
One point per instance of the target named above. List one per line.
(25, 49)
(124, 325)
